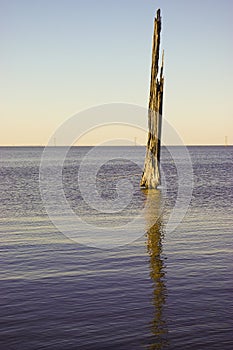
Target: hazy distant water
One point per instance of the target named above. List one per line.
(163, 291)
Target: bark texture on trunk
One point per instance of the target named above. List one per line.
(151, 174)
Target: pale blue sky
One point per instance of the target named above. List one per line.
(61, 56)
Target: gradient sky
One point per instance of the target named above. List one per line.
(62, 56)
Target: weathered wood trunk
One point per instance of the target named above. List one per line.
(151, 174)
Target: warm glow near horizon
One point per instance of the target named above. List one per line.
(113, 135)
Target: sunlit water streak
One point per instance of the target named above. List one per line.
(164, 291)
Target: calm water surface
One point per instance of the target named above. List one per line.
(161, 291)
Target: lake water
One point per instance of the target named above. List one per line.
(152, 289)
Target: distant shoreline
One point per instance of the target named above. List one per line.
(43, 146)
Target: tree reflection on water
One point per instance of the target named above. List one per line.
(155, 237)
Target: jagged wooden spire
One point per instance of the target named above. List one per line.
(151, 174)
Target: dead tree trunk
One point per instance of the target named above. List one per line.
(151, 174)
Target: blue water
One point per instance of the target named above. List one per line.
(163, 290)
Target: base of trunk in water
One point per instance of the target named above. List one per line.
(151, 174)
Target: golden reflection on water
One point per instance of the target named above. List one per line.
(155, 237)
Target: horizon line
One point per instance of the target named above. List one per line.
(133, 145)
